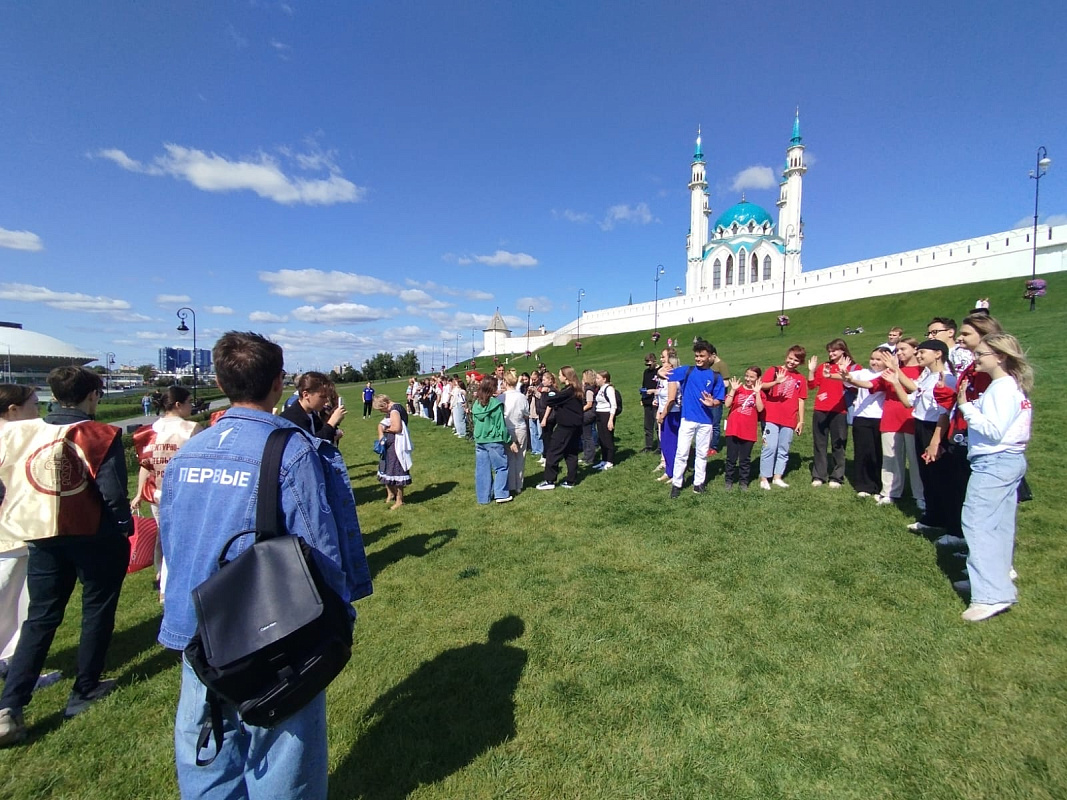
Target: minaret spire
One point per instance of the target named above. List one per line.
(699, 154)
(796, 130)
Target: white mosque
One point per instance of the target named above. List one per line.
(744, 264)
(744, 246)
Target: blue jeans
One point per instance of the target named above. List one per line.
(287, 761)
(716, 426)
(459, 420)
(775, 453)
(989, 525)
(537, 447)
(489, 458)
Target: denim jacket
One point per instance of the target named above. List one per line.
(210, 492)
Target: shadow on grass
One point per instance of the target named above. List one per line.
(416, 546)
(438, 720)
(125, 653)
(429, 492)
(380, 533)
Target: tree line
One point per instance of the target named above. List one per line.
(379, 367)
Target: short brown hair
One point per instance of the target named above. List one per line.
(70, 385)
(246, 365)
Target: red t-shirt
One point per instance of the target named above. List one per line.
(829, 393)
(781, 403)
(896, 417)
(977, 383)
(743, 422)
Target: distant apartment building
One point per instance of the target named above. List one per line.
(176, 359)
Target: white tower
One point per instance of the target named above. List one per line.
(790, 222)
(699, 210)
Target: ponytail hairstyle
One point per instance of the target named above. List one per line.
(173, 396)
(1015, 361)
(511, 378)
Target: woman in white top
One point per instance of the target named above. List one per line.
(459, 407)
(931, 401)
(998, 429)
(606, 409)
(517, 420)
(155, 446)
(865, 417)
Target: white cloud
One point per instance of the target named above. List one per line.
(340, 313)
(130, 316)
(267, 316)
(317, 286)
(239, 41)
(1055, 219)
(224, 310)
(430, 286)
(417, 297)
(639, 214)
(260, 174)
(465, 320)
(152, 335)
(20, 240)
(281, 49)
(572, 216)
(502, 258)
(171, 299)
(64, 301)
(755, 177)
(539, 303)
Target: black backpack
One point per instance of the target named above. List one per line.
(618, 402)
(271, 634)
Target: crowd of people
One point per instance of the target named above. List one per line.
(952, 412)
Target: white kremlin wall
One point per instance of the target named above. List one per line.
(986, 258)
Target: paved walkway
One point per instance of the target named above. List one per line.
(133, 423)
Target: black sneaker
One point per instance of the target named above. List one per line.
(77, 703)
(675, 492)
(729, 487)
(566, 485)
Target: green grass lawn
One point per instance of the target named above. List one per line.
(608, 643)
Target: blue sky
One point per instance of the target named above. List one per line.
(351, 177)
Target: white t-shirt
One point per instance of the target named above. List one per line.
(923, 405)
(868, 404)
(516, 410)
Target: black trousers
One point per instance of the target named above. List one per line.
(607, 438)
(828, 428)
(939, 488)
(368, 407)
(99, 563)
(866, 455)
(738, 460)
(650, 427)
(564, 446)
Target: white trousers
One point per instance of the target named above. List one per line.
(896, 448)
(14, 600)
(688, 432)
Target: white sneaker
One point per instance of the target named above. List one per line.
(780, 483)
(541, 461)
(507, 499)
(976, 612)
(545, 486)
(607, 465)
(882, 500)
(863, 494)
(834, 485)
(1013, 575)
(599, 465)
(816, 482)
(12, 727)
(922, 527)
(764, 484)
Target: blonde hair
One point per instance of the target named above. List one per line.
(1015, 361)
(511, 377)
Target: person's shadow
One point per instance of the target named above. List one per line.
(437, 720)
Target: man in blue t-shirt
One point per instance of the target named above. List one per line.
(698, 390)
(368, 400)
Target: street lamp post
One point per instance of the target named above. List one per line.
(457, 349)
(473, 331)
(529, 313)
(790, 232)
(655, 313)
(109, 357)
(578, 342)
(183, 328)
(1043, 162)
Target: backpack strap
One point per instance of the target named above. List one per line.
(269, 523)
(269, 520)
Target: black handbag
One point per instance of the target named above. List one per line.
(271, 634)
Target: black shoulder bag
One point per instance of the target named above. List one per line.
(271, 634)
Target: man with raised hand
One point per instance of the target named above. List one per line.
(698, 390)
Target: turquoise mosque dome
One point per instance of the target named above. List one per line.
(742, 213)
